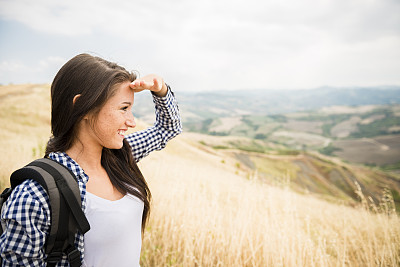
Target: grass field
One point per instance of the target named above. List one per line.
(25, 125)
(206, 215)
(348, 132)
(208, 211)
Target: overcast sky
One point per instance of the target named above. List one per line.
(208, 44)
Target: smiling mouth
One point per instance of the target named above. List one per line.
(121, 132)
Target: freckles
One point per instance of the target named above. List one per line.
(108, 118)
(110, 114)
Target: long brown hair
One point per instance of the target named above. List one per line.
(95, 80)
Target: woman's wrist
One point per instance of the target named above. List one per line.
(163, 92)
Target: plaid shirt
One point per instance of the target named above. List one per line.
(27, 213)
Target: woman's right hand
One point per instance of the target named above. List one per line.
(150, 82)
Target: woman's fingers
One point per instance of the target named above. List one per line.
(157, 85)
(141, 85)
(150, 85)
(149, 82)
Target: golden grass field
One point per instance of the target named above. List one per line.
(207, 212)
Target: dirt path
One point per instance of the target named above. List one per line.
(373, 141)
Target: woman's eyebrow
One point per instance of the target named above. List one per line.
(127, 102)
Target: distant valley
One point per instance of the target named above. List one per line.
(198, 106)
(315, 140)
(360, 125)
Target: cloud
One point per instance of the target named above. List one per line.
(342, 18)
(7, 66)
(55, 17)
(50, 62)
(231, 44)
(79, 18)
(42, 71)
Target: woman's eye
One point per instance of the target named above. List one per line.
(125, 108)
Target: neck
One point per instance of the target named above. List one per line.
(85, 150)
(87, 156)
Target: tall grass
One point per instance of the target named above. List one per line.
(25, 126)
(205, 215)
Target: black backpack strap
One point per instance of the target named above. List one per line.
(68, 187)
(65, 200)
(16, 178)
(66, 181)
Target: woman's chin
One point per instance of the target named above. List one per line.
(115, 146)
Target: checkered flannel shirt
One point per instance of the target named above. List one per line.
(27, 213)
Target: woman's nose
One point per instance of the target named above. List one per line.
(130, 122)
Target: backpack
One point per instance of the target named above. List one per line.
(62, 188)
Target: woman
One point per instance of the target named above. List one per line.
(91, 111)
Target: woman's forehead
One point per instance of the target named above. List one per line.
(123, 93)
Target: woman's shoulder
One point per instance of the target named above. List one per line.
(32, 188)
(27, 197)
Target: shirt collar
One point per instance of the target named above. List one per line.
(67, 161)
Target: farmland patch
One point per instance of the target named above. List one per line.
(345, 128)
(304, 126)
(225, 124)
(299, 139)
(381, 150)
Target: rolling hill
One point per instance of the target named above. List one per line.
(359, 125)
(198, 106)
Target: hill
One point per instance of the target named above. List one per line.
(359, 125)
(365, 134)
(212, 207)
(313, 149)
(197, 106)
(305, 172)
(209, 210)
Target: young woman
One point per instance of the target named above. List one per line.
(91, 111)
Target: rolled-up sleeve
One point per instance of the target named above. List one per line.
(167, 126)
(26, 216)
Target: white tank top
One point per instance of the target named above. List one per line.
(115, 237)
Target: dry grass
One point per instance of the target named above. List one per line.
(207, 213)
(25, 126)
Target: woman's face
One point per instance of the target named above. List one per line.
(114, 118)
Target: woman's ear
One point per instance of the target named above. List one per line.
(74, 101)
(75, 98)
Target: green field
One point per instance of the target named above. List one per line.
(366, 135)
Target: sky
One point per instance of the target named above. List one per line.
(209, 44)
